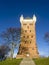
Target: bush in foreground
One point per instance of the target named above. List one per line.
(42, 61)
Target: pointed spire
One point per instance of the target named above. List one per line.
(21, 18)
(34, 18)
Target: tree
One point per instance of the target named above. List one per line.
(11, 36)
(46, 36)
(4, 51)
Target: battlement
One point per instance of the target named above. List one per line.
(29, 20)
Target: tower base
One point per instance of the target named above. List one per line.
(26, 56)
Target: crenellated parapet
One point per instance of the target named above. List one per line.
(30, 20)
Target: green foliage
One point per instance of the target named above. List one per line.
(41, 61)
(11, 62)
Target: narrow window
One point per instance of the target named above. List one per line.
(30, 30)
(27, 36)
(24, 24)
(32, 48)
(25, 41)
(31, 23)
(32, 36)
(25, 30)
(30, 41)
(28, 27)
(24, 36)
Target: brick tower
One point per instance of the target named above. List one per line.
(28, 47)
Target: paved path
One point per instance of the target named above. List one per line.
(27, 61)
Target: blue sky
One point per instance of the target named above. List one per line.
(11, 10)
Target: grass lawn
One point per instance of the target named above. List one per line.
(11, 62)
(42, 61)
